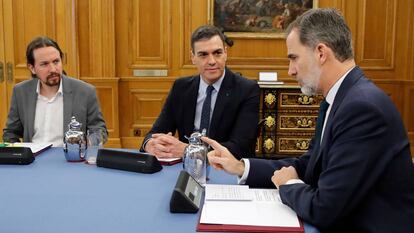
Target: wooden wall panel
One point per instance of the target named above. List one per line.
(150, 34)
(141, 101)
(143, 30)
(377, 22)
(96, 29)
(107, 91)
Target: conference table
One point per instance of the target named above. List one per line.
(53, 195)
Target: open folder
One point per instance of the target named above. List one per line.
(241, 209)
(169, 161)
(36, 148)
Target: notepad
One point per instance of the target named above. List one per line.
(36, 148)
(242, 206)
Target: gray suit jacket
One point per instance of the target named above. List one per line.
(79, 100)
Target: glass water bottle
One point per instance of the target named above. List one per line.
(195, 158)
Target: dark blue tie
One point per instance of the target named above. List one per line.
(205, 112)
(311, 176)
(319, 123)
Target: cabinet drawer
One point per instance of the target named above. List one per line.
(293, 99)
(292, 145)
(288, 122)
(285, 145)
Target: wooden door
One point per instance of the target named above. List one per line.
(3, 92)
(24, 20)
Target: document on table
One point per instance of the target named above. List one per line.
(263, 209)
(169, 161)
(220, 192)
(36, 148)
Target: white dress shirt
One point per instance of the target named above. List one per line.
(48, 123)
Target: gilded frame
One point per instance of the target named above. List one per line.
(256, 18)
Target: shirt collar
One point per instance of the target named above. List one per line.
(330, 97)
(60, 90)
(216, 85)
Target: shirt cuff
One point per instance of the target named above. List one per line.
(294, 181)
(242, 180)
(144, 144)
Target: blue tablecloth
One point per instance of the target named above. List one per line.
(52, 195)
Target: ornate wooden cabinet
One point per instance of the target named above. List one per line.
(288, 120)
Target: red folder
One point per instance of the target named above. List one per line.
(243, 228)
(172, 162)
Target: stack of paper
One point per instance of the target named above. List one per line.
(36, 148)
(238, 208)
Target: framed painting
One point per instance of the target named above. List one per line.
(256, 18)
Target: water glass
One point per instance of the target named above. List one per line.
(95, 139)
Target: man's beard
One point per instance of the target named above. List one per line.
(49, 82)
(310, 86)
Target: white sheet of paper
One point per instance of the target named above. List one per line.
(267, 76)
(168, 159)
(35, 147)
(228, 192)
(265, 209)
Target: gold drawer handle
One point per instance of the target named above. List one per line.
(302, 145)
(304, 123)
(270, 122)
(306, 100)
(270, 99)
(269, 144)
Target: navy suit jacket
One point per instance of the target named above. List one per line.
(362, 177)
(235, 115)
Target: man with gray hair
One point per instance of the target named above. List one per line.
(357, 175)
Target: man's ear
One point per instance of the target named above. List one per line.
(322, 52)
(192, 56)
(31, 68)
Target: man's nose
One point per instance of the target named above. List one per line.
(211, 59)
(53, 67)
(292, 70)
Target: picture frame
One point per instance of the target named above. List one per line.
(256, 18)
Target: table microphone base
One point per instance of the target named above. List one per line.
(128, 161)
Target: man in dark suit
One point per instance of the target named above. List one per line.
(233, 108)
(358, 174)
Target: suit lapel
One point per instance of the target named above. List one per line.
(31, 106)
(67, 101)
(312, 172)
(189, 105)
(223, 99)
